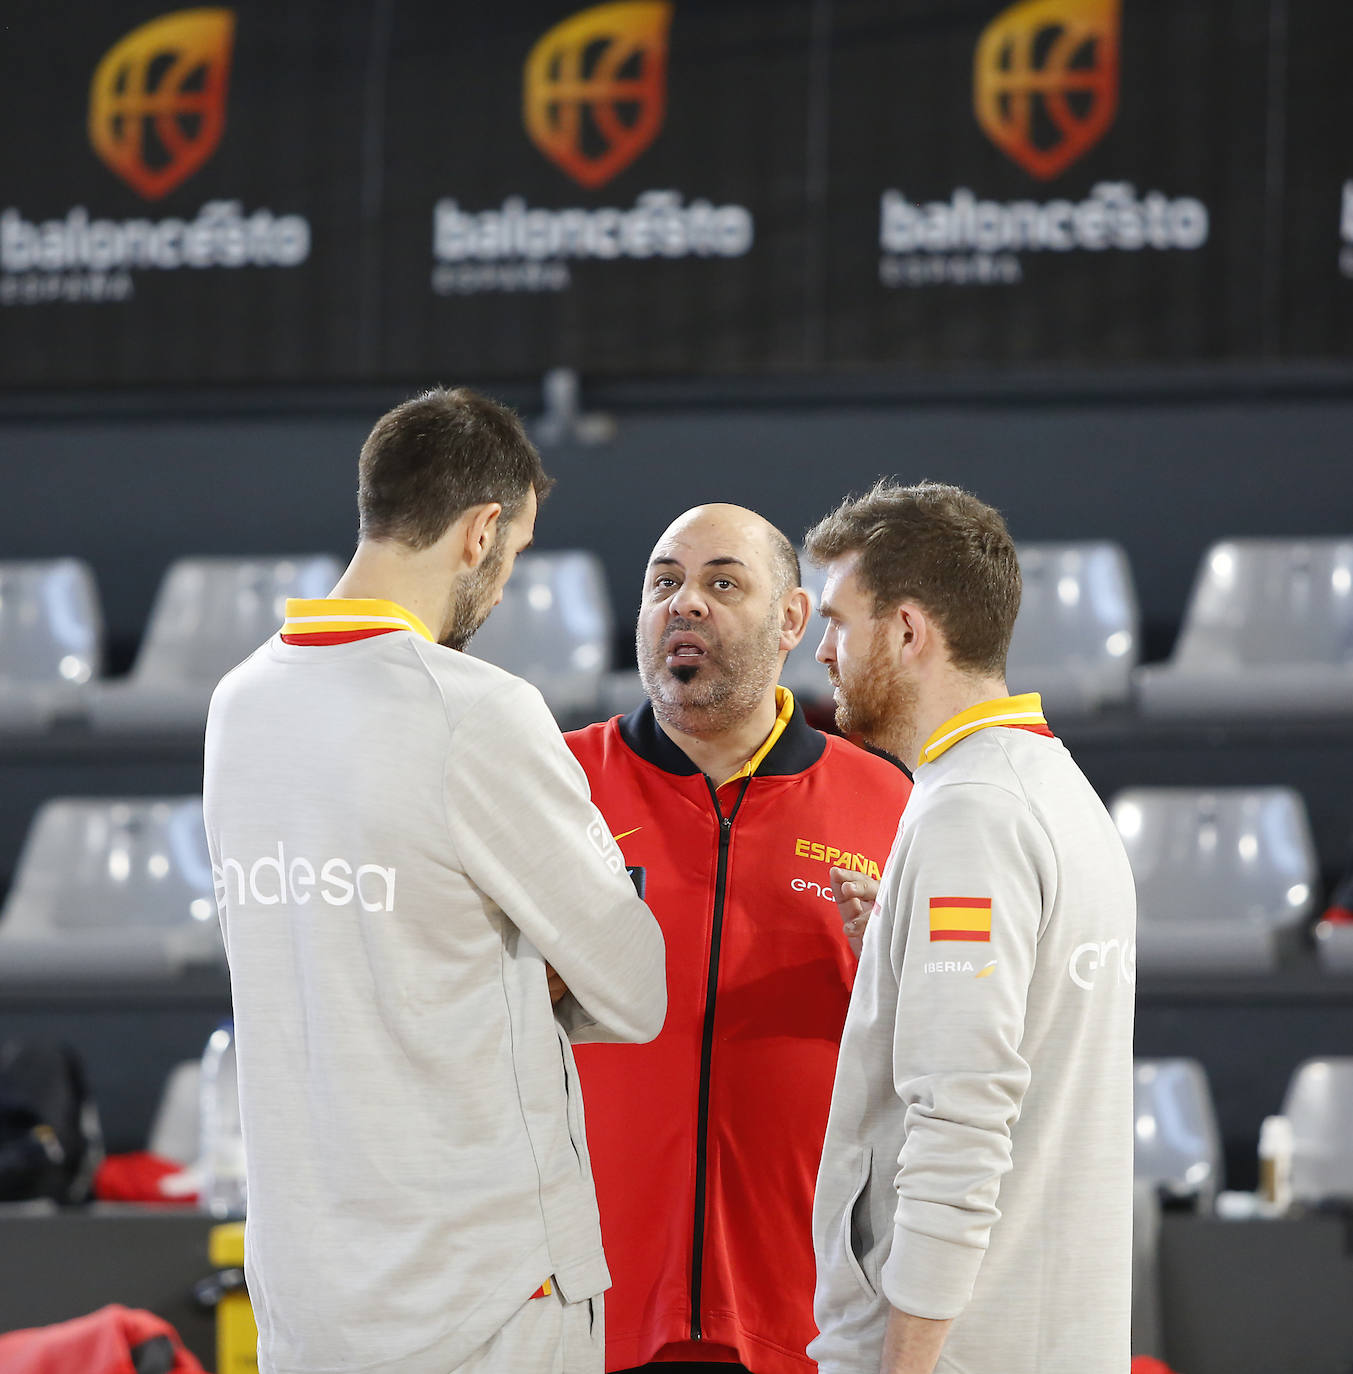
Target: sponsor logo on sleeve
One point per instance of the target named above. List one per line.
(602, 842)
(950, 966)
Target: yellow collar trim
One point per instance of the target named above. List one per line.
(343, 615)
(784, 699)
(1026, 709)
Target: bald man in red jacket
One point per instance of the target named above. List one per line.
(705, 1143)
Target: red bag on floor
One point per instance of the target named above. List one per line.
(113, 1340)
(1148, 1364)
(136, 1177)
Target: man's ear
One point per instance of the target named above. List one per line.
(481, 529)
(794, 619)
(916, 633)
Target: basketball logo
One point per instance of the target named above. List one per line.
(595, 88)
(1045, 81)
(157, 100)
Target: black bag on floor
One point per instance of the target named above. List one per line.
(50, 1141)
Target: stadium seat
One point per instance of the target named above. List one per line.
(1177, 1145)
(111, 889)
(176, 1128)
(1076, 638)
(802, 673)
(1225, 877)
(1319, 1104)
(553, 627)
(1269, 628)
(51, 641)
(209, 615)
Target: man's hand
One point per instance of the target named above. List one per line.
(911, 1345)
(855, 895)
(558, 988)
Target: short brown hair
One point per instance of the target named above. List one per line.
(430, 459)
(940, 547)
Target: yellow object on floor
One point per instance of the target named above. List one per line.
(236, 1333)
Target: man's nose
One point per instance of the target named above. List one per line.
(826, 649)
(688, 603)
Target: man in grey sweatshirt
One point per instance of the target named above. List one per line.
(421, 908)
(973, 1206)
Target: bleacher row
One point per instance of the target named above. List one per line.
(1226, 881)
(1227, 877)
(1268, 630)
(1177, 1145)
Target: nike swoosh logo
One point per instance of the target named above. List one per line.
(625, 833)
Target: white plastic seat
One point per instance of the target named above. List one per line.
(51, 641)
(1076, 639)
(1319, 1104)
(802, 673)
(1225, 877)
(1269, 628)
(553, 627)
(109, 889)
(1177, 1144)
(209, 615)
(176, 1128)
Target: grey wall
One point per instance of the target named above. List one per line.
(1162, 474)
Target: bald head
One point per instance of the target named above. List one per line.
(749, 537)
(721, 608)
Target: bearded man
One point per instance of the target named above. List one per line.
(400, 842)
(974, 1203)
(734, 811)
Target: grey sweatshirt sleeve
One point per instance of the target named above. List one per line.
(957, 1067)
(520, 813)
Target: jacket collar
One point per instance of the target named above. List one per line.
(1022, 712)
(797, 749)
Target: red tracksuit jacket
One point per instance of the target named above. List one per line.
(705, 1143)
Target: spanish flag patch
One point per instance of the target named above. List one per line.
(960, 918)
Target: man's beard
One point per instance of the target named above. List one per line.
(878, 704)
(723, 688)
(474, 599)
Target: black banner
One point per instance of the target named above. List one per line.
(1059, 180)
(180, 193)
(1312, 180)
(619, 189)
(397, 189)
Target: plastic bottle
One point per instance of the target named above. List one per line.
(222, 1139)
(1275, 1165)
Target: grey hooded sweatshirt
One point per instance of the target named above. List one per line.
(978, 1156)
(401, 842)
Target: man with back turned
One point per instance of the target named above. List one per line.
(403, 847)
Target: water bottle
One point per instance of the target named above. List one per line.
(222, 1138)
(1275, 1165)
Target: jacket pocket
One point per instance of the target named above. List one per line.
(573, 1105)
(857, 1238)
